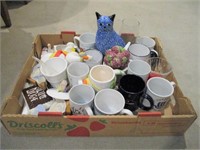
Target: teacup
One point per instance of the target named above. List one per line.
(102, 77)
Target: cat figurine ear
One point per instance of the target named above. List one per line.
(112, 17)
(98, 15)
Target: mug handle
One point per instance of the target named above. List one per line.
(173, 84)
(149, 98)
(153, 53)
(77, 38)
(126, 112)
(89, 111)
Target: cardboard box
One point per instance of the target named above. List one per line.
(174, 120)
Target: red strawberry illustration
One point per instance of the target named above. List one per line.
(79, 118)
(73, 130)
(98, 125)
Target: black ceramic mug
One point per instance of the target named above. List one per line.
(133, 88)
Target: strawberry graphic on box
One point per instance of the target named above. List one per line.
(73, 130)
(98, 125)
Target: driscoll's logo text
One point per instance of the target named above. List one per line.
(30, 125)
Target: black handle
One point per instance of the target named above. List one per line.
(146, 97)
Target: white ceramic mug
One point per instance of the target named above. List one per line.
(54, 70)
(146, 41)
(160, 90)
(97, 57)
(110, 102)
(139, 51)
(77, 71)
(102, 77)
(86, 41)
(140, 68)
(81, 99)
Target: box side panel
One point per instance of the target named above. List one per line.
(96, 126)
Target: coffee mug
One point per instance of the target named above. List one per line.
(81, 99)
(97, 57)
(86, 41)
(160, 90)
(54, 70)
(140, 68)
(146, 41)
(139, 51)
(102, 77)
(133, 88)
(77, 71)
(110, 102)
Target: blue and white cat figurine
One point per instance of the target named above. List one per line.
(106, 37)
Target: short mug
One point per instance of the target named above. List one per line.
(101, 77)
(160, 90)
(139, 51)
(140, 68)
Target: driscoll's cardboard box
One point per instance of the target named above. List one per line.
(174, 120)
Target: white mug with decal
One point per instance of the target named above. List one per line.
(86, 41)
(160, 90)
(81, 99)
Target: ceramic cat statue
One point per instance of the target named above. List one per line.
(106, 37)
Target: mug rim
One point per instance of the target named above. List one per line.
(87, 33)
(109, 113)
(163, 79)
(93, 92)
(90, 74)
(150, 40)
(65, 68)
(141, 91)
(141, 46)
(85, 74)
(144, 62)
